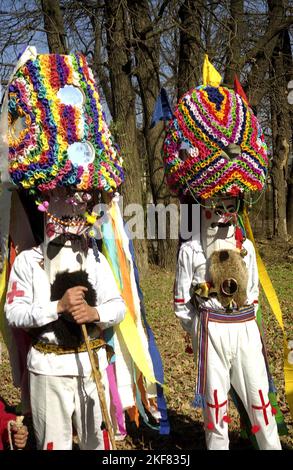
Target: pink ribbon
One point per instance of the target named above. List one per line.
(116, 398)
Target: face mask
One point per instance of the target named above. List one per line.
(65, 244)
(226, 268)
(218, 225)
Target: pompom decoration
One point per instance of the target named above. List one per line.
(43, 207)
(48, 134)
(226, 419)
(207, 122)
(210, 426)
(255, 428)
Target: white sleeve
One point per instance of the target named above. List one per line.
(110, 305)
(184, 310)
(21, 308)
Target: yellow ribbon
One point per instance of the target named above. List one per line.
(210, 75)
(3, 287)
(272, 298)
(135, 347)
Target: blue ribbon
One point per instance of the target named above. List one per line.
(162, 111)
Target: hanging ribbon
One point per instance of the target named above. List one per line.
(272, 298)
(154, 353)
(116, 398)
(162, 111)
(114, 253)
(139, 402)
(3, 287)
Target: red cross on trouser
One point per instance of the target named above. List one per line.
(14, 293)
(217, 405)
(263, 407)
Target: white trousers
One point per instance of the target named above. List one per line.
(235, 358)
(59, 402)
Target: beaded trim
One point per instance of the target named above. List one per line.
(65, 223)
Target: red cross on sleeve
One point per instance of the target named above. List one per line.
(14, 293)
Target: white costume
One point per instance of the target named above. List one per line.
(61, 386)
(234, 350)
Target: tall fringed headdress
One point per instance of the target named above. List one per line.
(54, 135)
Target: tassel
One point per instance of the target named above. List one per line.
(227, 419)
(210, 426)
(50, 446)
(105, 436)
(255, 429)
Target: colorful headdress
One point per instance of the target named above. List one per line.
(214, 144)
(57, 132)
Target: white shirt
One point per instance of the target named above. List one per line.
(191, 268)
(28, 305)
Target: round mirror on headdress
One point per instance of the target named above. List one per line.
(81, 153)
(71, 95)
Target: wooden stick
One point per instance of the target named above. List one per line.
(100, 388)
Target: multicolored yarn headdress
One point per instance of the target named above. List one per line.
(57, 131)
(221, 144)
(58, 137)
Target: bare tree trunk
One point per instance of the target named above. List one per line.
(233, 53)
(260, 56)
(268, 212)
(281, 135)
(288, 66)
(124, 109)
(190, 45)
(54, 26)
(147, 55)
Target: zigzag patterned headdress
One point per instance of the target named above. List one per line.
(214, 145)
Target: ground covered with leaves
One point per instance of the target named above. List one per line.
(186, 422)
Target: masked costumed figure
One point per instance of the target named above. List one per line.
(57, 150)
(215, 154)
